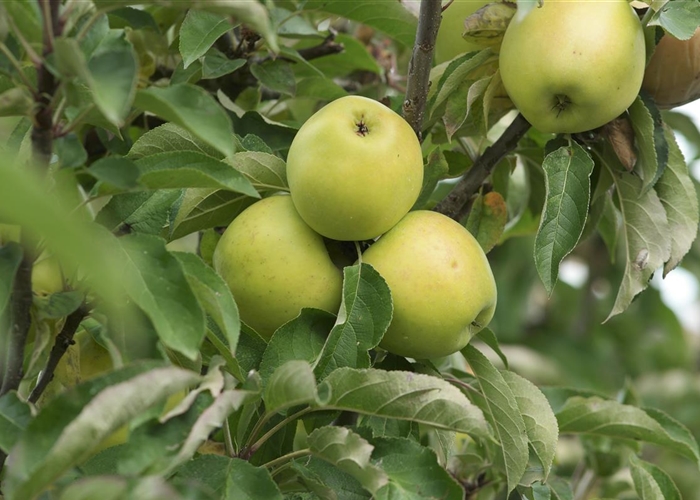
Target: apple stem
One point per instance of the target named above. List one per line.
(418, 79)
(454, 204)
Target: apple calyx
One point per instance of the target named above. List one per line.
(562, 102)
(362, 129)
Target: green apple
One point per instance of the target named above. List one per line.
(573, 65)
(441, 285)
(275, 264)
(449, 43)
(355, 168)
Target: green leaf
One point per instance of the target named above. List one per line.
(462, 102)
(435, 169)
(593, 415)
(391, 18)
(214, 295)
(58, 305)
(505, 415)
(170, 137)
(113, 70)
(198, 32)
(680, 19)
(652, 146)
(327, 481)
(143, 212)
(319, 87)
(652, 483)
(487, 219)
(404, 396)
(302, 338)
(350, 453)
(136, 19)
(103, 487)
(216, 65)
(265, 171)
(25, 14)
(214, 209)
(609, 225)
(65, 431)
(276, 75)
(455, 75)
(414, 472)
(253, 14)
(568, 184)
(677, 194)
(15, 415)
(647, 238)
(115, 171)
(291, 384)
(365, 314)
(185, 169)
(540, 422)
(192, 108)
(231, 478)
(17, 101)
(156, 282)
(70, 151)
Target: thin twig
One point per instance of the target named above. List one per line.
(328, 47)
(42, 131)
(63, 341)
(453, 204)
(257, 444)
(418, 82)
(286, 458)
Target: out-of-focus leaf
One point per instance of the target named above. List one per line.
(652, 483)
(115, 171)
(198, 32)
(567, 178)
(677, 193)
(365, 314)
(435, 168)
(156, 282)
(593, 415)
(388, 17)
(72, 425)
(70, 151)
(15, 415)
(192, 108)
(16, 101)
(405, 396)
(350, 453)
(505, 416)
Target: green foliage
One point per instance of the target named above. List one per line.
(167, 119)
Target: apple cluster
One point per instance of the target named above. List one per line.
(355, 170)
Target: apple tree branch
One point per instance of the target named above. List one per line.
(452, 205)
(418, 82)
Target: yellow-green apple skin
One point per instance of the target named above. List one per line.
(441, 285)
(573, 65)
(449, 43)
(355, 168)
(275, 264)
